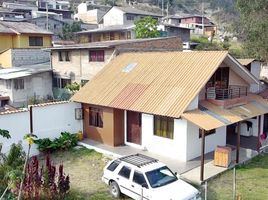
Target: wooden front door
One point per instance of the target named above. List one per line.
(134, 127)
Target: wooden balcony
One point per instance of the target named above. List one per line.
(227, 97)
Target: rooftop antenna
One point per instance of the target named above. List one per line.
(47, 14)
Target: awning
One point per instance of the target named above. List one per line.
(210, 116)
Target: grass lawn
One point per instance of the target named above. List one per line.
(252, 181)
(84, 167)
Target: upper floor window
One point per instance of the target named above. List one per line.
(96, 56)
(130, 17)
(164, 126)
(35, 41)
(61, 82)
(19, 84)
(64, 56)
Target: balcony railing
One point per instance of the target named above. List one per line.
(233, 91)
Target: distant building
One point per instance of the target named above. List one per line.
(20, 85)
(125, 16)
(54, 25)
(80, 62)
(59, 7)
(25, 8)
(36, 14)
(23, 35)
(8, 15)
(197, 23)
(90, 16)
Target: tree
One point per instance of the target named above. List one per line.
(146, 28)
(254, 24)
(68, 30)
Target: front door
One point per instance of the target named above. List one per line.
(134, 127)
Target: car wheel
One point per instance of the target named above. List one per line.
(114, 189)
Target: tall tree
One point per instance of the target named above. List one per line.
(146, 28)
(254, 24)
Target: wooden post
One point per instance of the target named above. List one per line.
(238, 142)
(202, 155)
(259, 133)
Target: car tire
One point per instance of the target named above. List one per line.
(114, 189)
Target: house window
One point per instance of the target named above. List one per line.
(130, 17)
(96, 56)
(19, 84)
(122, 36)
(164, 126)
(8, 84)
(210, 132)
(96, 117)
(60, 82)
(83, 82)
(112, 36)
(128, 35)
(65, 82)
(64, 56)
(35, 41)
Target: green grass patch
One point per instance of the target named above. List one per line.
(251, 181)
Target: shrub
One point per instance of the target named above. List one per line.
(65, 141)
(44, 182)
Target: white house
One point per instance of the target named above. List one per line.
(173, 103)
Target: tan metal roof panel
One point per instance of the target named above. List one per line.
(246, 61)
(162, 83)
(202, 120)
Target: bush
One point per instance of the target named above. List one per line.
(65, 141)
(44, 182)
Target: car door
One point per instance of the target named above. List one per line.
(123, 180)
(139, 186)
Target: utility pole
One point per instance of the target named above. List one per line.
(163, 8)
(203, 31)
(47, 14)
(167, 7)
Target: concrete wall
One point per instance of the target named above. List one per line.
(235, 79)
(173, 148)
(114, 17)
(38, 85)
(79, 64)
(48, 121)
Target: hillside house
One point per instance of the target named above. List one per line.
(187, 103)
(23, 35)
(81, 62)
(197, 23)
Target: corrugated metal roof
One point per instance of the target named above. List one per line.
(162, 83)
(21, 27)
(246, 61)
(208, 121)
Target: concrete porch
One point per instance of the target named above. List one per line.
(189, 170)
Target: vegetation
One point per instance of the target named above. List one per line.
(254, 26)
(70, 29)
(74, 87)
(11, 167)
(5, 133)
(65, 141)
(251, 181)
(146, 28)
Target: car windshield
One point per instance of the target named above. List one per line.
(160, 177)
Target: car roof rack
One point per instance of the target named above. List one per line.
(138, 160)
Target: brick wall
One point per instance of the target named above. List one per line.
(173, 43)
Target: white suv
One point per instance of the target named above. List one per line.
(144, 178)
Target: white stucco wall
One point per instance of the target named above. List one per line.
(211, 141)
(173, 148)
(194, 104)
(113, 17)
(48, 121)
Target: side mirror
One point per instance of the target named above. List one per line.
(176, 173)
(144, 185)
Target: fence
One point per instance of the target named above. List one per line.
(49, 120)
